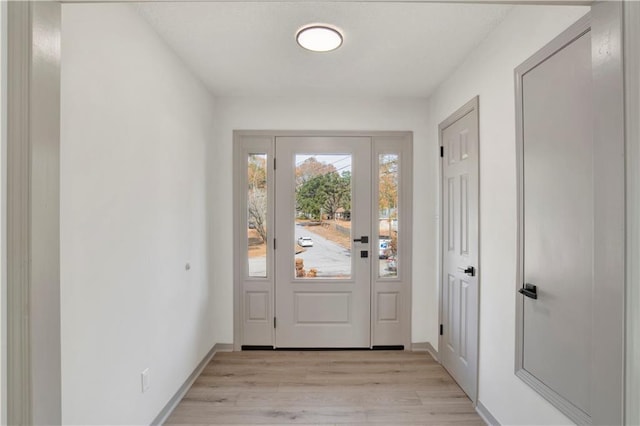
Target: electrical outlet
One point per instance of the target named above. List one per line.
(145, 380)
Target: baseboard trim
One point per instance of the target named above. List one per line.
(425, 347)
(223, 347)
(486, 415)
(177, 397)
(419, 346)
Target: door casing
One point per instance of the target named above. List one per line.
(381, 142)
(608, 292)
(571, 400)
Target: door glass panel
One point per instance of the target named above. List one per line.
(323, 216)
(388, 209)
(257, 215)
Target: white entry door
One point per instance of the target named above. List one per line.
(324, 244)
(459, 289)
(323, 227)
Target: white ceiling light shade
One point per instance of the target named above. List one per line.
(319, 37)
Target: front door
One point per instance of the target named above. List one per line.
(324, 248)
(459, 288)
(323, 227)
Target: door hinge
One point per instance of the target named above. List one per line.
(274, 243)
(441, 329)
(274, 322)
(274, 163)
(442, 151)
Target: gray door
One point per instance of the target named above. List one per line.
(459, 288)
(558, 220)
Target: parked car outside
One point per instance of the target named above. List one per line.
(384, 249)
(392, 264)
(305, 242)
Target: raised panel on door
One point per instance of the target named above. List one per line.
(320, 308)
(558, 220)
(388, 307)
(256, 306)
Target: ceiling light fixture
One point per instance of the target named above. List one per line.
(319, 37)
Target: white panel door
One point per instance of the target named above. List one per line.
(459, 312)
(323, 276)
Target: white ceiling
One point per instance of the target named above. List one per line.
(390, 49)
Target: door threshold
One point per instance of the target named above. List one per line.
(271, 348)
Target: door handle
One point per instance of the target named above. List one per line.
(529, 290)
(364, 240)
(469, 270)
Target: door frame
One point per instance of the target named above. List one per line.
(33, 353)
(472, 106)
(381, 139)
(631, 43)
(571, 34)
(608, 324)
(19, 50)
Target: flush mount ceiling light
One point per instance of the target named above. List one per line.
(319, 37)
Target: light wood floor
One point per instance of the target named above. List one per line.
(318, 387)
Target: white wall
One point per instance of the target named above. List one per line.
(135, 130)
(488, 72)
(326, 114)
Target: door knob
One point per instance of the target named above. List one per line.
(469, 270)
(363, 239)
(529, 290)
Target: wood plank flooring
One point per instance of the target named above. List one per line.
(324, 387)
